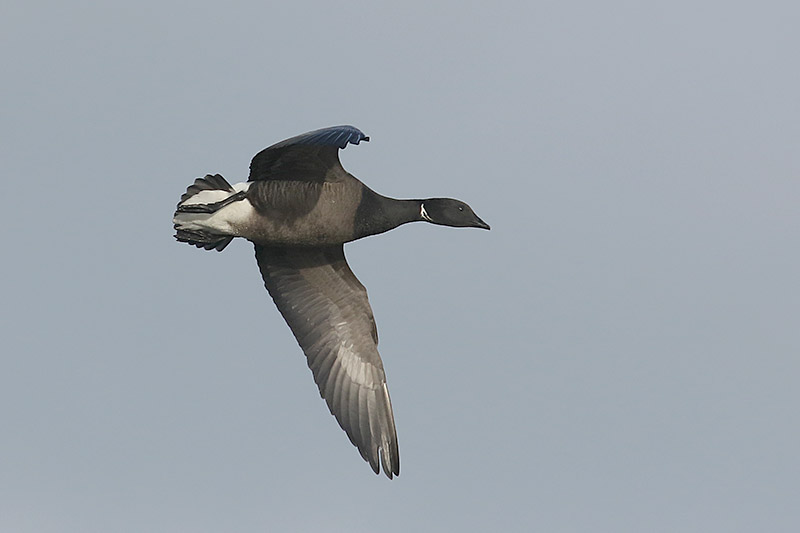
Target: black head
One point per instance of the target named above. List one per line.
(449, 212)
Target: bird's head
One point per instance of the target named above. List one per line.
(450, 212)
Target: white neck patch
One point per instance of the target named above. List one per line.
(423, 213)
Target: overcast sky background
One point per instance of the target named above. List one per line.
(619, 353)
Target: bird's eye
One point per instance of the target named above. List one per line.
(460, 208)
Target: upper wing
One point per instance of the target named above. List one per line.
(327, 309)
(312, 156)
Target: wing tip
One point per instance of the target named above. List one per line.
(391, 464)
(339, 136)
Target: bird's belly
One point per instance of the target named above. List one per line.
(311, 230)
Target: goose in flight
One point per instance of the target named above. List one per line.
(298, 207)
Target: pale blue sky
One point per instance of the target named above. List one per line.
(619, 353)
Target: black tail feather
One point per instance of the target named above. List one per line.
(203, 239)
(208, 182)
(200, 237)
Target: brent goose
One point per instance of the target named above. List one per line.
(299, 206)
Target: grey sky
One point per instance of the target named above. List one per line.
(619, 353)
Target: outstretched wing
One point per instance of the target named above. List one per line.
(327, 309)
(312, 156)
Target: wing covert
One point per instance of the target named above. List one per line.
(312, 156)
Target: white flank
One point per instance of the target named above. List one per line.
(206, 197)
(227, 221)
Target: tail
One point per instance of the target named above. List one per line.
(195, 221)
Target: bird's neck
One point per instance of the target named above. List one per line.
(377, 213)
